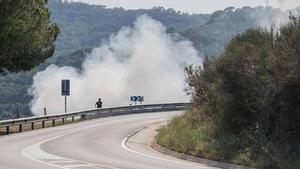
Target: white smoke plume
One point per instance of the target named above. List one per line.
(289, 4)
(274, 20)
(142, 60)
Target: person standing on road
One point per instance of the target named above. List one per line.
(99, 103)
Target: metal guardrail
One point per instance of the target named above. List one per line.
(91, 114)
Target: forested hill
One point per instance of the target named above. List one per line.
(211, 37)
(85, 26)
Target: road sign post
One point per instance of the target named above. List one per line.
(65, 91)
(65, 104)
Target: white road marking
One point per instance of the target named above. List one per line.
(80, 165)
(35, 153)
(124, 145)
(63, 161)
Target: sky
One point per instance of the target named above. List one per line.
(193, 6)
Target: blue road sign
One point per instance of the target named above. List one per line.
(65, 87)
(141, 98)
(137, 98)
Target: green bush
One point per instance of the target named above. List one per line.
(250, 95)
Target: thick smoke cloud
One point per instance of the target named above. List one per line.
(275, 18)
(289, 4)
(142, 60)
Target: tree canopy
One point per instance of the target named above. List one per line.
(86, 26)
(26, 34)
(245, 103)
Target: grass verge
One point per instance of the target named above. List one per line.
(185, 134)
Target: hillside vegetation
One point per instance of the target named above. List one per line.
(245, 102)
(84, 27)
(14, 86)
(211, 37)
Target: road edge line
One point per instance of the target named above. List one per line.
(188, 158)
(125, 140)
(38, 145)
(191, 158)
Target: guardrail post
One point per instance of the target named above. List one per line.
(63, 120)
(45, 111)
(72, 118)
(7, 130)
(20, 128)
(32, 126)
(53, 122)
(83, 117)
(43, 124)
(18, 113)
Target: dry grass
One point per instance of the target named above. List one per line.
(186, 135)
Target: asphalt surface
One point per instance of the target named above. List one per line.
(93, 144)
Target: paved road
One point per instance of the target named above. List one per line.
(94, 144)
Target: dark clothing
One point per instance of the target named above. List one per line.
(99, 104)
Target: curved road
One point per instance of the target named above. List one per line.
(93, 144)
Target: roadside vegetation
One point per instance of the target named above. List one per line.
(246, 102)
(93, 25)
(27, 35)
(27, 39)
